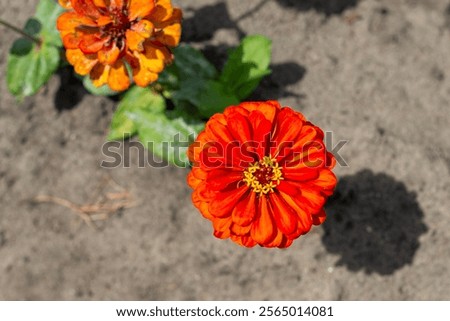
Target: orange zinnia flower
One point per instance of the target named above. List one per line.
(102, 37)
(261, 174)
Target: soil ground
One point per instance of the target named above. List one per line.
(374, 72)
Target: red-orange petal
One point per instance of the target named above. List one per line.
(218, 179)
(283, 214)
(222, 228)
(263, 229)
(304, 218)
(319, 218)
(239, 128)
(222, 206)
(246, 241)
(244, 212)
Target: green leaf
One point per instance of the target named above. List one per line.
(47, 12)
(188, 112)
(208, 96)
(168, 79)
(247, 65)
(30, 67)
(214, 98)
(166, 138)
(98, 91)
(135, 99)
(191, 63)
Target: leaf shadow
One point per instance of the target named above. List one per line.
(328, 7)
(374, 223)
(206, 21)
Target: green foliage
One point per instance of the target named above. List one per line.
(196, 91)
(47, 12)
(98, 91)
(143, 112)
(30, 65)
(247, 65)
(136, 98)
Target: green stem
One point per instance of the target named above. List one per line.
(20, 31)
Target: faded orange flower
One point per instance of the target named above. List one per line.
(261, 174)
(105, 38)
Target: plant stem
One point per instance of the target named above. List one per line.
(20, 31)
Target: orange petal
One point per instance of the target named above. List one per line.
(135, 40)
(70, 20)
(144, 28)
(163, 10)
(90, 44)
(86, 8)
(158, 52)
(109, 55)
(118, 77)
(71, 40)
(263, 229)
(65, 4)
(116, 4)
(139, 8)
(170, 35)
(81, 62)
(104, 20)
(141, 75)
(101, 3)
(100, 74)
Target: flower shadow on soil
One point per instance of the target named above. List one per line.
(70, 91)
(328, 7)
(374, 223)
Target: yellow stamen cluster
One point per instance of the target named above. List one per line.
(263, 176)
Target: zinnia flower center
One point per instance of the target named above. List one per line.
(263, 176)
(117, 29)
